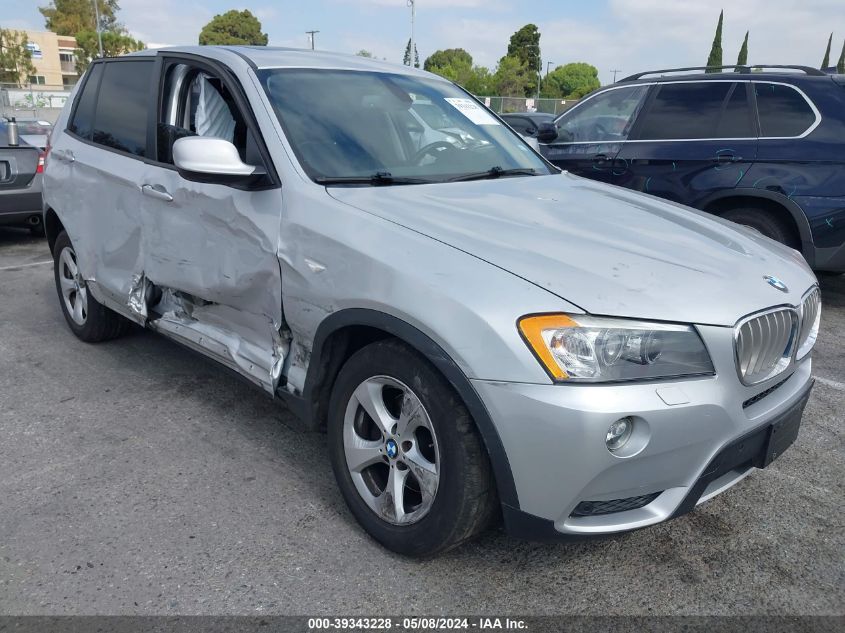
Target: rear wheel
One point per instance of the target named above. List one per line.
(407, 457)
(89, 320)
(766, 222)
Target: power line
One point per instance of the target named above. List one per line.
(614, 71)
(311, 34)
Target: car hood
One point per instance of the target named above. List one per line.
(608, 250)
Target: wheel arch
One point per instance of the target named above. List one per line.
(52, 226)
(344, 332)
(787, 208)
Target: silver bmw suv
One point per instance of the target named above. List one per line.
(479, 333)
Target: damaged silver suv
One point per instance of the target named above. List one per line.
(479, 334)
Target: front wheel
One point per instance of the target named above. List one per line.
(765, 222)
(406, 454)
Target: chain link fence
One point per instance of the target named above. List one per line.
(504, 105)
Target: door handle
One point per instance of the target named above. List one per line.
(601, 158)
(726, 157)
(156, 191)
(63, 154)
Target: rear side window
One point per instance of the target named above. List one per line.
(782, 110)
(82, 123)
(700, 110)
(736, 120)
(120, 118)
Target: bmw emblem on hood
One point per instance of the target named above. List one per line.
(774, 282)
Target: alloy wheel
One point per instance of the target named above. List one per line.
(74, 292)
(391, 450)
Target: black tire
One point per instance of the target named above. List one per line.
(100, 323)
(767, 222)
(466, 501)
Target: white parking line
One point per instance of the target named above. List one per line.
(839, 386)
(48, 261)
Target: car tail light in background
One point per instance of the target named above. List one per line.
(41, 160)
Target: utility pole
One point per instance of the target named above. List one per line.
(614, 71)
(99, 32)
(311, 35)
(412, 4)
(547, 67)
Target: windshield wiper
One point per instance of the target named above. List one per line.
(495, 172)
(376, 179)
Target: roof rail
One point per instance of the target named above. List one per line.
(746, 68)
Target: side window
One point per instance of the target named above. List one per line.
(197, 103)
(782, 110)
(82, 122)
(736, 120)
(607, 117)
(120, 119)
(685, 111)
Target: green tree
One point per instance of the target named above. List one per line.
(233, 27)
(715, 57)
(77, 18)
(571, 81)
(364, 53)
(525, 46)
(448, 57)
(479, 81)
(513, 78)
(455, 64)
(742, 58)
(114, 43)
(407, 58)
(15, 58)
(840, 65)
(826, 60)
(69, 17)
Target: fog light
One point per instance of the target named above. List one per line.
(618, 434)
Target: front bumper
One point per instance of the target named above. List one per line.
(553, 436)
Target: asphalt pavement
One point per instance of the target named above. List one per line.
(139, 478)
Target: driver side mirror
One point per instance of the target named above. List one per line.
(212, 160)
(546, 132)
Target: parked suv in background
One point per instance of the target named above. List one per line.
(764, 147)
(474, 330)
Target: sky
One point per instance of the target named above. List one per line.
(627, 35)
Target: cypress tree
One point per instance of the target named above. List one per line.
(826, 60)
(840, 66)
(715, 58)
(742, 59)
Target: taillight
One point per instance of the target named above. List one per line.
(41, 157)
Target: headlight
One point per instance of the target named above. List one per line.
(596, 349)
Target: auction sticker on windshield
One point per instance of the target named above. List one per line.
(471, 110)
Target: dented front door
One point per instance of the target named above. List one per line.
(209, 255)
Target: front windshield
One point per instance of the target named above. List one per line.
(354, 124)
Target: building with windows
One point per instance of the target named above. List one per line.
(54, 58)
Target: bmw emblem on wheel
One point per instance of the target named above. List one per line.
(391, 448)
(774, 282)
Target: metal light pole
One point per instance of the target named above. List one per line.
(99, 32)
(411, 57)
(547, 67)
(311, 35)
